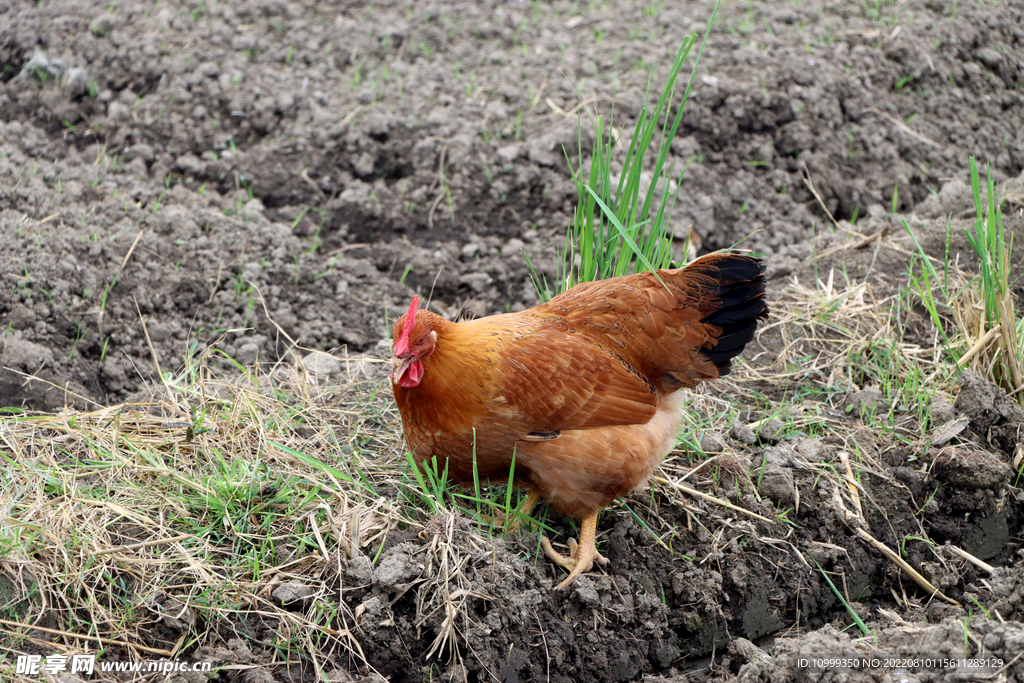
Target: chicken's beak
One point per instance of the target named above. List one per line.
(400, 366)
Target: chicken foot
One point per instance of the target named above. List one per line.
(582, 555)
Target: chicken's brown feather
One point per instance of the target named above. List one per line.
(598, 364)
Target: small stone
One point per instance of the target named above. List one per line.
(320, 364)
(470, 250)
(744, 434)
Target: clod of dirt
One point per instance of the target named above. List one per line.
(712, 442)
(243, 655)
(1001, 643)
(865, 403)
(293, 595)
(742, 433)
(942, 410)
(1008, 587)
(176, 615)
(258, 675)
(359, 571)
(777, 484)
(396, 566)
(810, 450)
(769, 431)
(995, 418)
(971, 468)
(945, 432)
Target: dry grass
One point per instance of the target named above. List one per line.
(162, 524)
(205, 500)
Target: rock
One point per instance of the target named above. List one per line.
(320, 364)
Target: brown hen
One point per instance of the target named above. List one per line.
(582, 389)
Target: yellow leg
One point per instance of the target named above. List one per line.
(582, 556)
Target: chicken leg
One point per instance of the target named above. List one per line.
(582, 555)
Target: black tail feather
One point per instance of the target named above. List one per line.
(741, 305)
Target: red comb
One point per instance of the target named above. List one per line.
(404, 340)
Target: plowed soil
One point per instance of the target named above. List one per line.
(251, 176)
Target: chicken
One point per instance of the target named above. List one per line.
(582, 390)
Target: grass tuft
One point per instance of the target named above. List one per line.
(617, 227)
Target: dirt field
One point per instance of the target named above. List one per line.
(245, 182)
